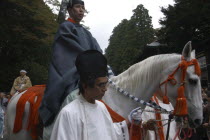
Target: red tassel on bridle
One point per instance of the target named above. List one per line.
(181, 102)
(197, 67)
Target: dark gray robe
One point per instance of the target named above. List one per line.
(70, 40)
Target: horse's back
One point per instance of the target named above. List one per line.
(10, 120)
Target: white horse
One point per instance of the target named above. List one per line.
(10, 119)
(142, 80)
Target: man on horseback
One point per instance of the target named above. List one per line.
(86, 117)
(70, 40)
(21, 83)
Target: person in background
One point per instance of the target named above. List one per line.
(206, 116)
(2, 114)
(3, 101)
(21, 83)
(200, 132)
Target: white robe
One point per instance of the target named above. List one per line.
(150, 135)
(81, 120)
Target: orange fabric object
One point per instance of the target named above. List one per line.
(71, 20)
(159, 123)
(183, 66)
(134, 129)
(135, 132)
(115, 117)
(165, 100)
(34, 96)
(181, 103)
(197, 67)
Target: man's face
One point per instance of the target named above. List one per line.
(22, 73)
(98, 91)
(77, 12)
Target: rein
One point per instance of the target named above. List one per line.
(184, 130)
(150, 103)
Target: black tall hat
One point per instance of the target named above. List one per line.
(72, 2)
(91, 64)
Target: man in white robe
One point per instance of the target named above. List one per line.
(81, 120)
(85, 118)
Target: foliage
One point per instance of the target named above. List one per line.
(27, 31)
(128, 40)
(63, 11)
(186, 20)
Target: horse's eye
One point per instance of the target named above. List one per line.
(193, 81)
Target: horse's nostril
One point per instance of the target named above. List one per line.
(197, 121)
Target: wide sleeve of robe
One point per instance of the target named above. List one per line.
(120, 128)
(16, 85)
(68, 126)
(70, 40)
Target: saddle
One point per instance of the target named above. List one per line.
(33, 95)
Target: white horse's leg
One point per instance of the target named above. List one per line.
(11, 112)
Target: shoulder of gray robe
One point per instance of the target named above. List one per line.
(70, 40)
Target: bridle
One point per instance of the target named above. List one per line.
(181, 104)
(180, 109)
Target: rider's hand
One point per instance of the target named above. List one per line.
(136, 115)
(149, 125)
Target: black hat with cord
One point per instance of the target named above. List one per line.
(90, 65)
(72, 2)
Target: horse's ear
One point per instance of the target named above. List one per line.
(186, 52)
(193, 54)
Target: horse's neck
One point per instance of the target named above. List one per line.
(142, 79)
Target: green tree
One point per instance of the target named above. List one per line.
(186, 20)
(27, 31)
(129, 39)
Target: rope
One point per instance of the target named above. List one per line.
(142, 102)
(125, 93)
(162, 112)
(159, 123)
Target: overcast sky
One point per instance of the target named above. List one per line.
(104, 15)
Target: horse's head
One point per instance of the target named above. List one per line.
(192, 86)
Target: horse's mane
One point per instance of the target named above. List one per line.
(145, 72)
